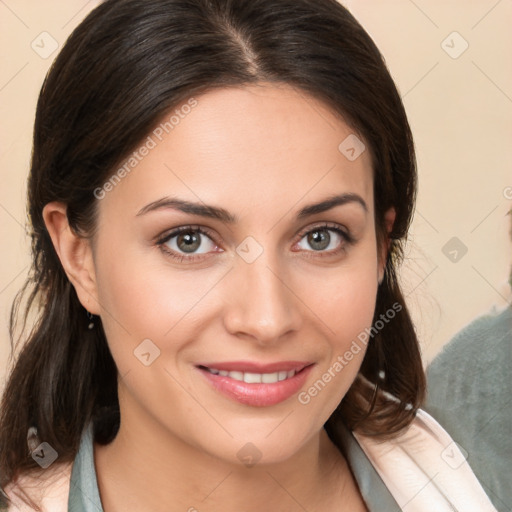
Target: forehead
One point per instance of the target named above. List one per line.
(251, 146)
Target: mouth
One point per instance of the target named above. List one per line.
(255, 384)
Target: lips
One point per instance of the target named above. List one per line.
(254, 383)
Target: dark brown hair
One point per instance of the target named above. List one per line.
(121, 70)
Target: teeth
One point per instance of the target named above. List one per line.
(269, 378)
(254, 378)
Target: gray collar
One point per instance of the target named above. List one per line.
(83, 489)
(84, 495)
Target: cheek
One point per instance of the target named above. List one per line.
(345, 299)
(347, 308)
(142, 297)
(352, 305)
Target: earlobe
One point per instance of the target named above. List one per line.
(389, 220)
(75, 254)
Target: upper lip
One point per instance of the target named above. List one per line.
(255, 367)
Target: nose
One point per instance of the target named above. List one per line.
(262, 304)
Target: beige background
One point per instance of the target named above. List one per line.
(460, 110)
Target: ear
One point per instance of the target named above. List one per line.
(75, 254)
(389, 220)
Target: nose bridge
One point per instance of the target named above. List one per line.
(262, 304)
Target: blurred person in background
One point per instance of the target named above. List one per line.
(469, 391)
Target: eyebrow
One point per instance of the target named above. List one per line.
(213, 212)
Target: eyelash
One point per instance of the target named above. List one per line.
(348, 240)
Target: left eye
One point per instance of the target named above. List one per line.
(323, 239)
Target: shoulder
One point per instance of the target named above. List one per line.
(467, 383)
(46, 488)
(487, 339)
(424, 467)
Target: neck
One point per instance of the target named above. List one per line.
(148, 468)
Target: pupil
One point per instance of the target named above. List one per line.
(319, 240)
(191, 242)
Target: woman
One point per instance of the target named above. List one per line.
(219, 194)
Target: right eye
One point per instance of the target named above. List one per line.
(185, 242)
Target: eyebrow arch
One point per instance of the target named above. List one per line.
(223, 215)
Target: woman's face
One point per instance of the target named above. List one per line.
(271, 285)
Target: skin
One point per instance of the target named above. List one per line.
(262, 153)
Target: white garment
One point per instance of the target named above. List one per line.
(423, 469)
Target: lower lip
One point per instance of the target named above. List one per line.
(259, 395)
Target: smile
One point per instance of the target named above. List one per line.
(256, 384)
